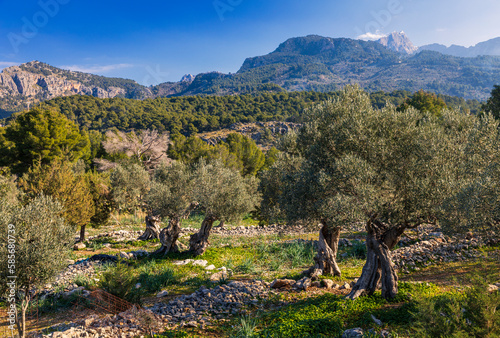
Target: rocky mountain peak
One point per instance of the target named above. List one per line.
(36, 81)
(188, 78)
(398, 42)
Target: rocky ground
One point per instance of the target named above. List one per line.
(208, 306)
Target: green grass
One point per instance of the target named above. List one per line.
(328, 315)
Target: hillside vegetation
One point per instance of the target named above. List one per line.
(193, 114)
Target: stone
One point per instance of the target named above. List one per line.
(376, 321)
(139, 253)
(162, 294)
(345, 286)
(218, 276)
(282, 283)
(138, 285)
(385, 334)
(79, 246)
(210, 267)
(124, 255)
(353, 333)
(303, 284)
(184, 262)
(492, 288)
(199, 262)
(328, 283)
(316, 284)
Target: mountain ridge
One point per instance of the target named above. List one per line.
(310, 63)
(490, 47)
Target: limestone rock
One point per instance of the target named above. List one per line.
(162, 294)
(329, 284)
(376, 321)
(199, 262)
(345, 286)
(79, 246)
(303, 284)
(282, 283)
(218, 276)
(353, 333)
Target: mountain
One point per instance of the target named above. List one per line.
(398, 42)
(490, 47)
(25, 85)
(309, 63)
(325, 64)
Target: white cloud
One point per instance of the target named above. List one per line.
(371, 36)
(97, 68)
(4, 64)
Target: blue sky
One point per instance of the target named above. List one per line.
(158, 41)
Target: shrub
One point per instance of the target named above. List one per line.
(120, 281)
(472, 314)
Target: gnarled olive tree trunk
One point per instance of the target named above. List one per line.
(325, 261)
(170, 234)
(198, 242)
(380, 239)
(152, 228)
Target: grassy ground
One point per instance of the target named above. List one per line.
(316, 313)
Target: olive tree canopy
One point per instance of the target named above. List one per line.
(224, 195)
(390, 169)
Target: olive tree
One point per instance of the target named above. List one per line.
(389, 169)
(224, 195)
(42, 243)
(476, 205)
(129, 187)
(170, 196)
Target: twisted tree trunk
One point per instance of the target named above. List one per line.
(198, 242)
(152, 228)
(380, 239)
(325, 261)
(170, 234)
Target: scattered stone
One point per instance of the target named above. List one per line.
(124, 255)
(212, 304)
(375, 320)
(345, 286)
(79, 246)
(329, 284)
(210, 267)
(127, 324)
(282, 283)
(385, 334)
(162, 294)
(219, 276)
(184, 262)
(303, 284)
(139, 253)
(316, 284)
(492, 288)
(199, 262)
(353, 333)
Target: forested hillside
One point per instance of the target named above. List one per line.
(192, 114)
